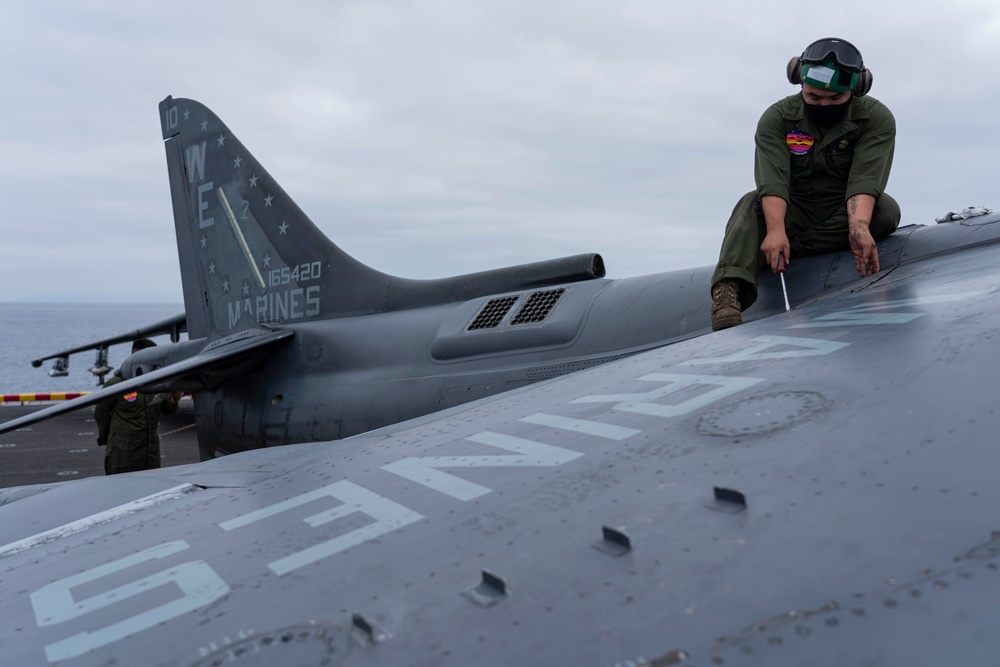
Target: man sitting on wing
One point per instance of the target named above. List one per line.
(822, 161)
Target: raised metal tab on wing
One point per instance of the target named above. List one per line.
(729, 501)
(367, 631)
(491, 590)
(615, 543)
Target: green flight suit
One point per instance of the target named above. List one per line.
(127, 424)
(816, 171)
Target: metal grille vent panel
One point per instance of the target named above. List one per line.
(538, 307)
(493, 313)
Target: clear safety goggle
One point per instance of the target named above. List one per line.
(843, 52)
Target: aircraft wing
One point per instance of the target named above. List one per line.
(211, 357)
(173, 325)
(818, 487)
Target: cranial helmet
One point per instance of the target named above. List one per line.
(831, 64)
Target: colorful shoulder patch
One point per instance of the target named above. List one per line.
(799, 143)
(131, 396)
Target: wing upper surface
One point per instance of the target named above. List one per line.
(859, 431)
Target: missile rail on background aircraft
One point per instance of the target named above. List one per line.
(174, 326)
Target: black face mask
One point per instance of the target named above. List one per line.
(829, 114)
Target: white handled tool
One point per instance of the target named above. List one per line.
(781, 272)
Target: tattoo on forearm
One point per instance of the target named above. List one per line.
(853, 205)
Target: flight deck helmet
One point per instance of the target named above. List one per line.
(831, 64)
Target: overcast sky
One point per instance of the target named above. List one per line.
(430, 139)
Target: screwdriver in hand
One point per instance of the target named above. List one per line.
(781, 272)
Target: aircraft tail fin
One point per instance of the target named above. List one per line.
(245, 247)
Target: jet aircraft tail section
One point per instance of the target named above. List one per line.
(246, 248)
(244, 245)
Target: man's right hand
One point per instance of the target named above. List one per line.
(775, 244)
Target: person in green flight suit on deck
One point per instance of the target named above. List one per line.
(127, 424)
(822, 163)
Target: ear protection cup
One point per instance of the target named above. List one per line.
(864, 84)
(794, 70)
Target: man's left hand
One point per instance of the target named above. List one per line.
(864, 249)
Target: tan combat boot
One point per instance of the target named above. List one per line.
(726, 305)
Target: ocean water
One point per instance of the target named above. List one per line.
(33, 330)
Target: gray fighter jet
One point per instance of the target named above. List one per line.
(814, 487)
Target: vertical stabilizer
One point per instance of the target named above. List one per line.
(245, 247)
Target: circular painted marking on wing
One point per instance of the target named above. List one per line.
(758, 415)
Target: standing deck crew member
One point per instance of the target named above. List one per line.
(127, 424)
